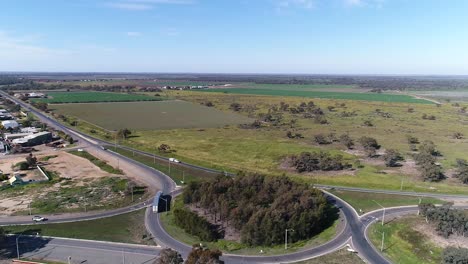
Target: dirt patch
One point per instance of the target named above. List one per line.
(230, 233)
(73, 167)
(76, 183)
(429, 231)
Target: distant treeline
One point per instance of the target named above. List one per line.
(374, 83)
(261, 208)
(5, 80)
(30, 85)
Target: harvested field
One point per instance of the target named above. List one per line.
(150, 115)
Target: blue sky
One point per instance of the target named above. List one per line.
(243, 36)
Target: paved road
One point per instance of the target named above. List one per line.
(354, 230)
(80, 251)
(425, 194)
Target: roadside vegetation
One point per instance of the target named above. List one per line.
(126, 228)
(338, 257)
(100, 163)
(179, 173)
(366, 202)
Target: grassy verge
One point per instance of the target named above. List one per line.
(366, 202)
(180, 174)
(167, 219)
(403, 244)
(338, 257)
(101, 164)
(125, 228)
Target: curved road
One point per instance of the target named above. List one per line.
(353, 232)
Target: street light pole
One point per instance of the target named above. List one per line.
(286, 237)
(165, 201)
(383, 216)
(17, 244)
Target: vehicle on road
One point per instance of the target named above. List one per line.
(38, 218)
(174, 160)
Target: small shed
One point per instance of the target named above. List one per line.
(15, 180)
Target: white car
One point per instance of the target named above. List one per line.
(38, 218)
(174, 160)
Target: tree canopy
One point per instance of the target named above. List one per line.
(261, 208)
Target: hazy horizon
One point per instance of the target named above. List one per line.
(335, 37)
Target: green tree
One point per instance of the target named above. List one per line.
(200, 255)
(453, 255)
(124, 133)
(31, 160)
(392, 157)
(169, 256)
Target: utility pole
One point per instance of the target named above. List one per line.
(383, 216)
(154, 157)
(123, 257)
(169, 167)
(401, 186)
(286, 237)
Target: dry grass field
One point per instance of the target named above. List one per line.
(150, 115)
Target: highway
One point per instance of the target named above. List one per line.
(353, 228)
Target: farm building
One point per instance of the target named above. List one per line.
(10, 124)
(11, 136)
(34, 139)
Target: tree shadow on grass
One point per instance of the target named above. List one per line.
(28, 242)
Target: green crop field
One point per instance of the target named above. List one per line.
(88, 97)
(299, 87)
(150, 115)
(321, 94)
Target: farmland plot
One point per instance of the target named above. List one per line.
(150, 115)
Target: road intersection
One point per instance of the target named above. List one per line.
(353, 231)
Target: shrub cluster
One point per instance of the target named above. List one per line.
(447, 220)
(315, 161)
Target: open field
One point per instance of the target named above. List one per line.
(404, 244)
(87, 97)
(126, 228)
(151, 115)
(339, 257)
(396, 98)
(366, 202)
(263, 149)
(76, 185)
(167, 220)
